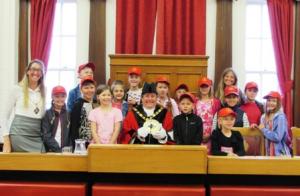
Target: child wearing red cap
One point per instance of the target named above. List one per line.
(274, 126)
(187, 127)
(232, 100)
(56, 122)
(162, 88)
(252, 107)
(105, 119)
(80, 126)
(133, 95)
(225, 141)
(180, 90)
(206, 107)
(84, 70)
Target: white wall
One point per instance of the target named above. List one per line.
(238, 40)
(9, 13)
(83, 28)
(211, 11)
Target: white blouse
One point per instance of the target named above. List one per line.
(15, 103)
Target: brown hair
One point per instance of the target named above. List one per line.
(221, 86)
(210, 93)
(278, 107)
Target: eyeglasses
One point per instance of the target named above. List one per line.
(32, 69)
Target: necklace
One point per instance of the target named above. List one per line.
(36, 109)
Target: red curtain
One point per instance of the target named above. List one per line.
(135, 26)
(181, 27)
(281, 13)
(41, 25)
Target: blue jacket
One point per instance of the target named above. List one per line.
(278, 134)
(73, 95)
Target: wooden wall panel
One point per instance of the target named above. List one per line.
(223, 50)
(23, 37)
(97, 39)
(296, 100)
(179, 68)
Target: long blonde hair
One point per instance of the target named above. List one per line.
(221, 85)
(24, 83)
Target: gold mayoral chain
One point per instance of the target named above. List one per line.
(148, 117)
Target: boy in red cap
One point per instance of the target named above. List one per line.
(162, 88)
(225, 141)
(80, 125)
(133, 95)
(252, 107)
(187, 127)
(232, 100)
(274, 127)
(56, 123)
(84, 70)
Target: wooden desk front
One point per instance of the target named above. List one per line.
(258, 165)
(43, 162)
(163, 159)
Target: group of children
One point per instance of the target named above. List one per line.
(96, 113)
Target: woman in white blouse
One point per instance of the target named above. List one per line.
(27, 103)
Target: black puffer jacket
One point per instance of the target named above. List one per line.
(188, 129)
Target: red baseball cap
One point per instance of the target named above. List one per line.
(88, 79)
(163, 79)
(226, 112)
(58, 90)
(204, 81)
(182, 86)
(135, 70)
(190, 96)
(231, 90)
(250, 85)
(273, 94)
(89, 64)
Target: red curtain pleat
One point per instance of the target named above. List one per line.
(281, 14)
(181, 27)
(41, 25)
(135, 25)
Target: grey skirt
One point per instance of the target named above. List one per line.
(25, 135)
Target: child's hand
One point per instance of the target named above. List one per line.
(231, 154)
(131, 101)
(261, 126)
(205, 138)
(254, 126)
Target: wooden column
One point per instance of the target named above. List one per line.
(296, 101)
(97, 39)
(23, 38)
(223, 38)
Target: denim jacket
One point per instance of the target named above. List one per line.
(278, 134)
(73, 95)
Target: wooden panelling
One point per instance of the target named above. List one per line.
(252, 137)
(223, 50)
(23, 38)
(296, 101)
(179, 69)
(296, 141)
(254, 165)
(97, 39)
(163, 159)
(42, 162)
